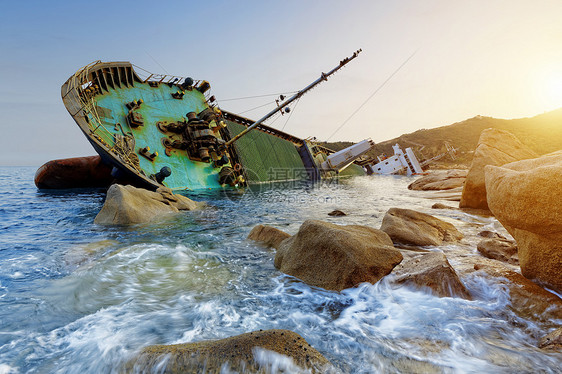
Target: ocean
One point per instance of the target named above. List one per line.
(76, 297)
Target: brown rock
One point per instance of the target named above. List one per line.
(337, 213)
(243, 353)
(268, 235)
(432, 271)
(528, 300)
(552, 341)
(337, 257)
(495, 147)
(499, 249)
(127, 204)
(454, 194)
(442, 206)
(442, 180)
(77, 172)
(83, 253)
(410, 227)
(491, 235)
(525, 197)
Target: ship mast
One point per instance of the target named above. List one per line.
(296, 96)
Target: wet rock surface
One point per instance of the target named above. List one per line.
(129, 205)
(499, 249)
(430, 271)
(411, 227)
(439, 180)
(525, 197)
(495, 147)
(337, 213)
(268, 235)
(454, 194)
(527, 299)
(255, 352)
(552, 341)
(337, 257)
(491, 235)
(442, 206)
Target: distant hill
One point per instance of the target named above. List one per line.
(542, 133)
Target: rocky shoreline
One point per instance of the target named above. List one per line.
(409, 248)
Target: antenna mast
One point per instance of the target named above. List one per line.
(323, 77)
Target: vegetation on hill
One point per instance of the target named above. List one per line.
(542, 133)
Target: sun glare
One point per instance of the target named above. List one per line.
(553, 90)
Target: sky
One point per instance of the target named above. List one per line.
(443, 61)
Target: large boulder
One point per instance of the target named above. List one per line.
(76, 172)
(430, 271)
(407, 226)
(259, 351)
(268, 235)
(127, 205)
(525, 197)
(495, 147)
(439, 180)
(500, 249)
(337, 257)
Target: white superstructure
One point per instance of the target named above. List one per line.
(400, 163)
(342, 159)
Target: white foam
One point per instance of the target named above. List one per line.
(7, 369)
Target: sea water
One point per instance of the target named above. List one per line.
(76, 297)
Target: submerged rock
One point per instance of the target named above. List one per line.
(410, 227)
(268, 235)
(254, 352)
(525, 197)
(430, 271)
(528, 300)
(127, 204)
(495, 147)
(337, 257)
(83, 253)
(499, 249)
(552, 341)
(437, 181)
(442, 206)
(491, 235)
(337, 213)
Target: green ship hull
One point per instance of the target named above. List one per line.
(161, 130)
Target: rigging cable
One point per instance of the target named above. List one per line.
(153, 59)
(373, 94)
(291, 113)
(260, 106)
(257, 96)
